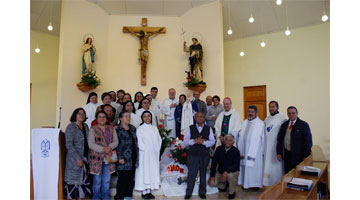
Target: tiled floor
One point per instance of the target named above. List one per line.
(240, 194)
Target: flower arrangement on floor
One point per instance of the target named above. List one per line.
(166, 140)
(178, 153)
(191, 80)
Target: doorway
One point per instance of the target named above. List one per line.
(255, 95)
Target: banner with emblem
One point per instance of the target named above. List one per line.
(45, 162)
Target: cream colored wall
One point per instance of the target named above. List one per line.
(116, 59)
(295, 70)
(207, 20)
(43, 76)
(77, 19)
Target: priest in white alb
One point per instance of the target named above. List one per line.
(228, 122)
(273, 168)
(168, 109)
(251, 147)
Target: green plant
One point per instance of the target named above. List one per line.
(91, 79)
(164, 133)
(191, 80)
(179, 154)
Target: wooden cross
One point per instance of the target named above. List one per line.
(143, 32)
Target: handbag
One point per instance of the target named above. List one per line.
(113, 158)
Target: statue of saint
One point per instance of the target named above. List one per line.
(88, 57)
(196, 55)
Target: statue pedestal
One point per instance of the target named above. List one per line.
(85, 87)
(200, 87)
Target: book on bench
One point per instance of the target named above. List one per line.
(309, 170)
(300, 184)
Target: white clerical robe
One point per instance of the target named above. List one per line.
(90, 110)
(154, 110)
(136, 104)
(156, 103)
(234, 124)
(273, 168)
(251, 146)
(135, 120)
(140, 112)
(187, 116)
(169, 121)
(147, 175)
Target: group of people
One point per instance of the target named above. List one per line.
(121, 136)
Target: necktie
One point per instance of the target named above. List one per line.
(291, 125)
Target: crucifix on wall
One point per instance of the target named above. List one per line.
(143, 32)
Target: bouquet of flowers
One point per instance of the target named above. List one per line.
(178, 153)
(166, 140)
(191, 80)
(90, 79)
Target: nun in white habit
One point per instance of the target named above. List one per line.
(147, 175)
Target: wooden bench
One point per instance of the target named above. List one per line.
(280, 191)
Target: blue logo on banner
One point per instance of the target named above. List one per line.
(45, 148)
(269, 128)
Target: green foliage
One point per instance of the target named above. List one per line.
(164, 133)
(191, 80)
(180, 155)
(91, 79)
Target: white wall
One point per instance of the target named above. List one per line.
(43, 76)
(116, 59)
(295, 70)
(207, 20)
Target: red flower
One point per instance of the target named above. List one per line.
(192, 75)
(179, 147)
(176, 159)
(184, 154)
(173, 142)
(161, 126)
(189, 80)
(170, 155)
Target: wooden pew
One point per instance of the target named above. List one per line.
(280, 191)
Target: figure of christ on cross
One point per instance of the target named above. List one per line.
(143, 33)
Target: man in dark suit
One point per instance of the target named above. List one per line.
(294, 140)
(199, 137)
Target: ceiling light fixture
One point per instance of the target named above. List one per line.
(287, 32)
(263, 44)
(251, 19)
(242, 53)
(37, 50)
(50, 27)
(229, 31)
(278, 2)
(324, 18)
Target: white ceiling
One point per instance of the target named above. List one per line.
(44, 11)
(269, 17)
